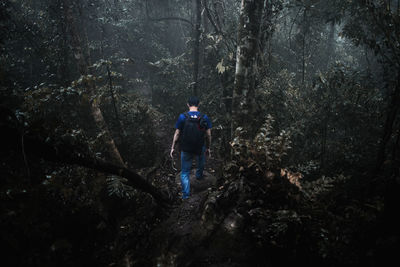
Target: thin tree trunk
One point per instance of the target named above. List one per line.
(114, 101)
(76, 42)
(388, 129)
(219, 13)
(208, 14)
(265, 25)
(121, 129)
(243, 102)
(323, 146)
(398, 7)
(304, 46)
(331, 44)
(62, 69)
(395, 155)
(204, 18)
(196, 46)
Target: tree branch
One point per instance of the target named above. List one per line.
(172, 18)
(217, 30)
(63, 152)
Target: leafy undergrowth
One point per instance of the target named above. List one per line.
(246, 219)
(258, 214)
(255, 214)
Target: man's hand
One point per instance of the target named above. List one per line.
(176, 136)
(208, 152)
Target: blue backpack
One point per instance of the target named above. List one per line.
(193, 133)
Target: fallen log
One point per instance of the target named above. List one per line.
(61, 151)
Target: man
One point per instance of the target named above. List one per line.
(192, 127)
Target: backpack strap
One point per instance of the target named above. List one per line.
(202, 121)
(186, 114)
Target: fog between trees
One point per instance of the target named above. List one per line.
(303, 96)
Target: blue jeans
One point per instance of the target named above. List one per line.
(186, 162)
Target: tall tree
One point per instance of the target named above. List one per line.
(243, 102)
(196, 46)
(82, 64)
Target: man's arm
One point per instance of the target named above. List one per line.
(208, 142)
(176, 136)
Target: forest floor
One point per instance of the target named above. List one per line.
(178, 239)
(182, 236)
(233, 218)
(182, 232)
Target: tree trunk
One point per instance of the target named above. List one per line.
(265, 40)
(396, 156)
(62, 68)
(76, 42)
(196, 47)
(304, 47)
(82, 64)
(243, 102)
(388, 129)
(330, 51)
(219, 13)
(121, 129)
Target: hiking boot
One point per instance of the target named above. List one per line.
(201, 178)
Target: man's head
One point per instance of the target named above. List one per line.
(193, 101)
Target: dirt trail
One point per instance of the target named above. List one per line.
(177, 239)
(182, 232)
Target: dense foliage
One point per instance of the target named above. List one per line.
(313, 177)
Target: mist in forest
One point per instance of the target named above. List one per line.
(302, 149)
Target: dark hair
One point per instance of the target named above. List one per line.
(193, 101)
